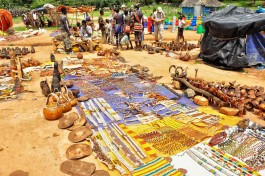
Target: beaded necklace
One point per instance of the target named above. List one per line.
(192, 156)
(227, 161)
(217, 167)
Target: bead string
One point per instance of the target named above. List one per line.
(192, 156)
(137, 149)
(114, 150)
(227, 162)
(217, 167)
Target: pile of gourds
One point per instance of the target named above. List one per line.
(59, 103)
(30, 63)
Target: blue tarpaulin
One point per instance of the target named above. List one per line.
(255, 49)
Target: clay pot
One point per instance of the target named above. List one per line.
(101, 53)
(79, 56)
(32, 49)
(52, 111)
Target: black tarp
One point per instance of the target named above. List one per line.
(223, 43)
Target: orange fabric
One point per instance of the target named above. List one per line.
(5, 20)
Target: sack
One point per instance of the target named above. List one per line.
(127, 29)
(138, 27)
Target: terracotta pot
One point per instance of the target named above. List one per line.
(79, 56)
(52, 111)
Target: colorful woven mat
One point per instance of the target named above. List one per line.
(157, 167)
(145, 146)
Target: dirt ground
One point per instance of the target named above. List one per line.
(34, 145)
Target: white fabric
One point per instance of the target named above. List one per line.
(48, 6)
(182, 23)
(83, 33)
(34, 16)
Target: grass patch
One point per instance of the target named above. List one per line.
(16, 20)
(20, 28)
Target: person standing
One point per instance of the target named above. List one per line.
(65, 30)
(86, 35)
(35, 19)
(138, 28)
(123, 8)
(102, 26)
(159, 17)
(107, 30)
(117, 22)
(181, 24)
(127, 27)
(152, 21)
(111, 35)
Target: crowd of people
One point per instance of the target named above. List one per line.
(118, 28)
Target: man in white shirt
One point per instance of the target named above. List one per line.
(181, 24)
(35, 19)
(158, 17)
(86, 35)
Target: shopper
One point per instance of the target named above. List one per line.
(102, 26)
(127, 28)
(152, 21)
(181, 24)
(159, 17)
(138, 28)
(107, 30)
(117, 22)
(65, 31)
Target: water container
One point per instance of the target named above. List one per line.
(193, 23)
(200, 29)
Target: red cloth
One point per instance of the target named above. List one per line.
(149, 26)
(5, 20)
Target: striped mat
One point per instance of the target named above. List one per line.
(157, 167)
(151, 152)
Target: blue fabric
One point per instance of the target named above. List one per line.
(255, 48)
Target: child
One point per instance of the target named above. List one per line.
(107, 28)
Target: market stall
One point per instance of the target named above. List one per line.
(134, 124)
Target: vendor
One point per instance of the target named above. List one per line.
(86, 35)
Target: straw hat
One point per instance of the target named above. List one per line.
(72, 167)
(77, 151)
(100, 173)
(79, 134)
(78, 123)
(123, 6)
(68, 120)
